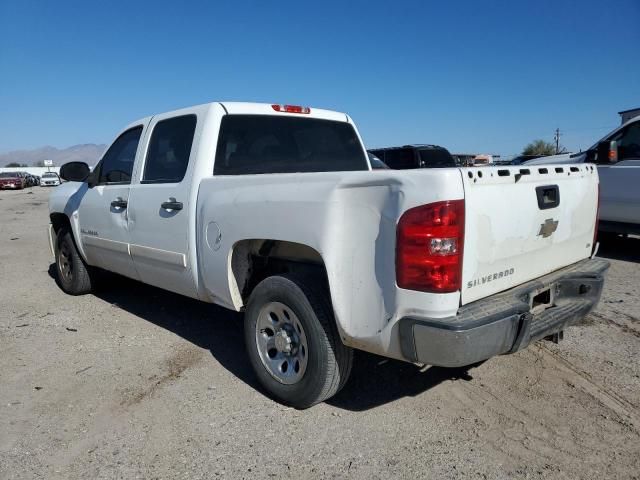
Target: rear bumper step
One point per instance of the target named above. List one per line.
(505, 322)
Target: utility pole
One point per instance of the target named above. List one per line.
(557, 139)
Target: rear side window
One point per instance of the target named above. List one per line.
(117, 163)
(400, 158)
(254, 144)
(169, 150)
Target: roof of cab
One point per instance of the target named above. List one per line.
(245, 108)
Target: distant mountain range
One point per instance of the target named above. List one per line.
(88, 152)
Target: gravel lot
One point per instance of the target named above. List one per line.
(135, 382)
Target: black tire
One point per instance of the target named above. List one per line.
(329, 360)
(73, 274)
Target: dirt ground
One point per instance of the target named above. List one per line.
(135, 382)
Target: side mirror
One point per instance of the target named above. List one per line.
(75, 171)
(607, 152)
(92, 179)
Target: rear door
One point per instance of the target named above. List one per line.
(522, 223)
(159, 205)
(103, 210)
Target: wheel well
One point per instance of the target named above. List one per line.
(254, 260)
(59, 220)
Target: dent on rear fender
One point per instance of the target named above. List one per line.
(360, 258)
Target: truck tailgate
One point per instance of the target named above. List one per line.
(525, 222)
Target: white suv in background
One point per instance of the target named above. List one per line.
(618, 158)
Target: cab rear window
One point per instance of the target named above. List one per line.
(255, 144)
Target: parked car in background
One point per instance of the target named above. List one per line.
(31, 180)
(25, 177)
(617, 156)
(520, 159)
(12, 180)
(482, 160)
(50, 179)
(415, 156)
(376, 163)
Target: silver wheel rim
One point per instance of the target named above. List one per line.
(64, 261)
(281, 343)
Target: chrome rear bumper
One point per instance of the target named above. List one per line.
(505, 322)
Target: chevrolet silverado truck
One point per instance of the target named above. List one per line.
(275, 211)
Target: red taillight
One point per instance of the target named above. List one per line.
(429, 247)
(291, 108)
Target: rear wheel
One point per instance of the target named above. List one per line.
(293, 343)
(74, 276)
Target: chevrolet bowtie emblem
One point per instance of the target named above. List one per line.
(548, 227)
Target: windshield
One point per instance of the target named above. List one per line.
(376, 163)
(49, 175)
(251, 144)
(8, 175)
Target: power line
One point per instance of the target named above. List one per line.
(557, 139)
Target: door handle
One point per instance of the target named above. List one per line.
(119, 203)
(171, 204)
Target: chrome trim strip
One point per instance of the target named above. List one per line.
(105, 244)
(164, 256)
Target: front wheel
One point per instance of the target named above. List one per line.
(293, 343)
(74, 276)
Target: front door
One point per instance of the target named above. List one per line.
(619, 181)
(102, 215)
(159, 206)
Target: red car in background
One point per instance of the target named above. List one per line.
(12, 180)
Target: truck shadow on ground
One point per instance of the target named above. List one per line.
(377, 381)
(374, 380)
(620, 248)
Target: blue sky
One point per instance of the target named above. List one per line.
(471, 76)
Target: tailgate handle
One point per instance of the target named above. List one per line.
(548, 196)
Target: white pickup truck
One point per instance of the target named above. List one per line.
(617, 156)
(274, 210)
